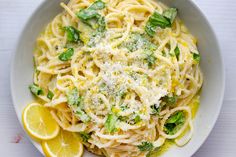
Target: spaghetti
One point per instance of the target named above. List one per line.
(121, 73)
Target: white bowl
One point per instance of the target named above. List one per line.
(211, 65)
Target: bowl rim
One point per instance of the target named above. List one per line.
(194, 5)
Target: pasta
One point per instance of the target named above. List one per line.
(120, 80)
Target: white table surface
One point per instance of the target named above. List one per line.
(220, 143)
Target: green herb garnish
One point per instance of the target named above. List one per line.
(82, 115)
(91, 17)
(170, 14)
(73, 97)
(155, 110)
(154, 21)
(158, 20)
(36, 90)
(50, 95)
(196, 57)
(145, 146)
(66, 55)
(123, 107)
(169, 100)
(73, 35)
(174, 123)
(85, 136)
(110, 123)
(177, 52)
(97, 5)
(150, 58)
(137, 119)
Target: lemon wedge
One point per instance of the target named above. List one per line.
(65, 144)
(39, 123)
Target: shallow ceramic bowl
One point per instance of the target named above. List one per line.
(211, 65)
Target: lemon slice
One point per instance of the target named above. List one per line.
(39, 123)
(65, 144)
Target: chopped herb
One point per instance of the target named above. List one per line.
(110, 123)
(170, 14)
(101, 24)
(162, 21)
(85, 136)
(36, 90)
(123, 107)
(65, 56)
(87, 14)
(75, 101)
(154, 21)
(121, 93)
(73, 97)
(145, 146)
(91, 17)
(163, 53)
(150, 58)
(169, 100)
(50, 95)
(82, 115)
(97, 5)
(196, 57)
(177, 52)
(155, 110)
(73, 35)
(123, 118)
(174, 123)
(137, 119)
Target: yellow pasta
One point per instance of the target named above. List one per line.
(122, 88)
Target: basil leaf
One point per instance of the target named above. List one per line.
(145, 146)
(91, 17)
(177, 52)
(73, 97)
(73, 35)
(174, 123)
(50, 95)
(137, 119)
(155, 110)
(75, 101)
(154, 21)
(170, 14)
(101, 24)
(85, 136)
(36, 90)
(123, 107)
(65, 56)
(176, 118)
(82, 115)
(150, 58)
(110, 123)
(169, 100)
(196, 57)
(97, 5)
(87, 14)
